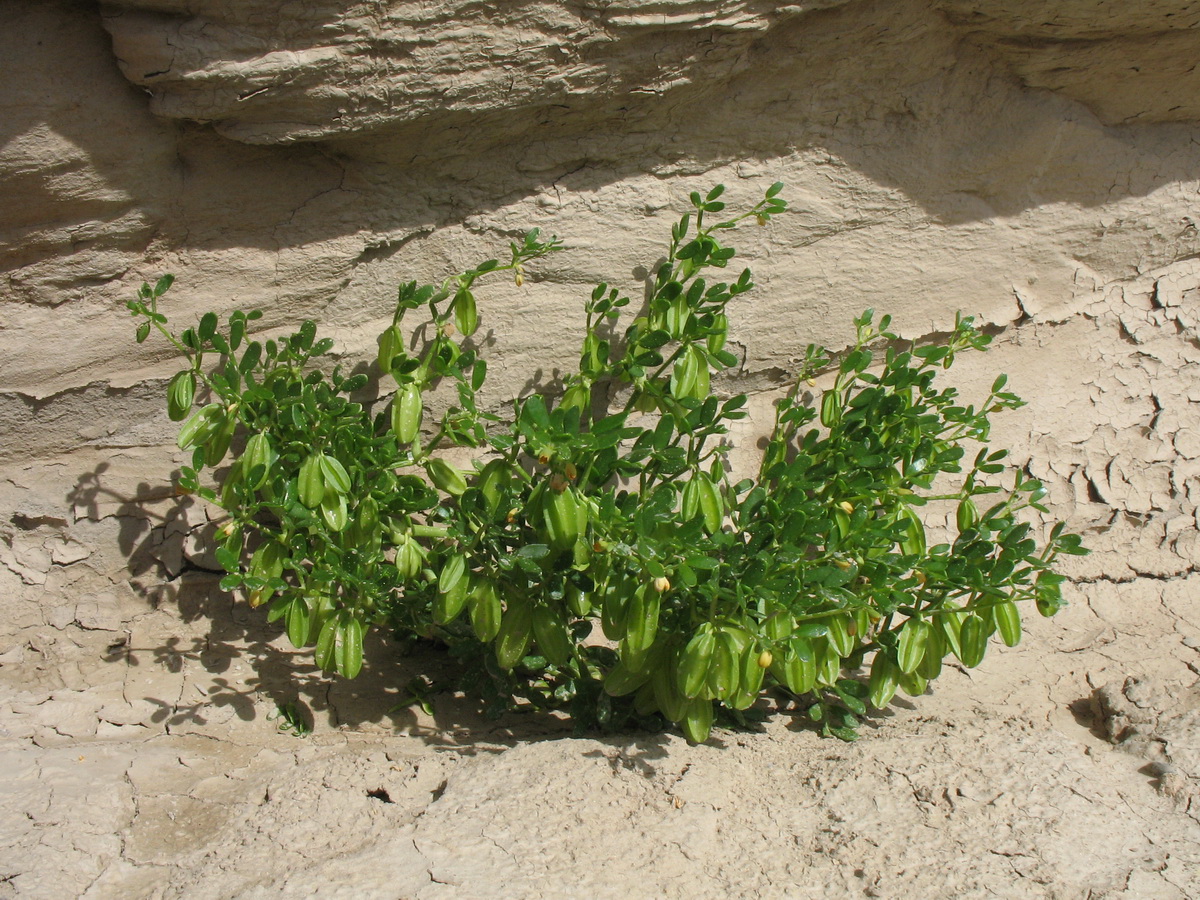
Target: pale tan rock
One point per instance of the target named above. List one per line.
(1126, 62)
(328, 71)
(331, 70)
(896, 169)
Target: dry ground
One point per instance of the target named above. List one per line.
(141, 760)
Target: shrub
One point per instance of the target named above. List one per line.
(610, 502)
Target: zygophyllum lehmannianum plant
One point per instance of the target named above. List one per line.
(599, 556)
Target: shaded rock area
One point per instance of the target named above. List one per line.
(1036, 164)
(1126, 62)
(1160, 722)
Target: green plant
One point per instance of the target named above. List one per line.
(610, 503)
(290, 719)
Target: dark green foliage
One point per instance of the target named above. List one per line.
(581, 512)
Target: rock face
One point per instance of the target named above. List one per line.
(331, 69)
(325, 70)
(1035, 163)
(907, 143)
(1127, 62)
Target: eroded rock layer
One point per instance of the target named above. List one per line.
(266, 75)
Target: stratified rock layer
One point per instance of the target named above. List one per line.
(322, 70)
(330, 69)
(1127, 62)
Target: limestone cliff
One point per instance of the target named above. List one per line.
(320, 70)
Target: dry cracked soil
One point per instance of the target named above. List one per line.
(143, 758)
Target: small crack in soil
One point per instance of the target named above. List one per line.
(1137, 576)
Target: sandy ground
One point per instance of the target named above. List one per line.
(141, 760)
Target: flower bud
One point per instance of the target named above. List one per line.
(662, 584)
(846, 506)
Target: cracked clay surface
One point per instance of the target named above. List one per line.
(142, 758)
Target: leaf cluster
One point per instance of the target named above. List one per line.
(608, 509)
